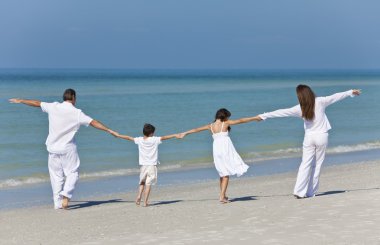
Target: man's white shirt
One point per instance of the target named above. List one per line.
(64, 122)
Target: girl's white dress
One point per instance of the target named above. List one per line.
(227, 161)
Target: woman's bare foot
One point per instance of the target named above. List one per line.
(65, 202)
(138, 201)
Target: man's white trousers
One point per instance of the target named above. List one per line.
(63, 170)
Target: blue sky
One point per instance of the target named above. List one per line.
(194, 34)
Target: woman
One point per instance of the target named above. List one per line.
(316, 125)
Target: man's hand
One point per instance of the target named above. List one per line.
(34, 103)
(15, 101)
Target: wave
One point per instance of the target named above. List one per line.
(291, 152)
(24, 181)
(249, 157)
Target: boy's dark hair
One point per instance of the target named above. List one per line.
(148, 129)
(69, 94)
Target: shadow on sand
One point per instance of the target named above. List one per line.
(327, 193)
(345, 191)
(243, 199)
(165, 202)
(86, 204)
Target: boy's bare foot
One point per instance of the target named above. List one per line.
(65, 202)
(138, 200)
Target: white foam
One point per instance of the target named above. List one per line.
(22, 181)
(254, 156)
(298, 151)
(15, 182)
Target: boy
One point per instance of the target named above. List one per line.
(148, 159)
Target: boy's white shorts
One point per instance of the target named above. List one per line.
(148, 174)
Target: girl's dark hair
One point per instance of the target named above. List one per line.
(69, 94)
(306, 97)
(223, 114)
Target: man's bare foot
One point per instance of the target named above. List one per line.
(138, 200)
(65, 202)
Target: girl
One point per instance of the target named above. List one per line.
(316, 125)
(227, 161)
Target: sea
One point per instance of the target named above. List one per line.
(175, 101)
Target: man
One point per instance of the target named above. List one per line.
(64, 122)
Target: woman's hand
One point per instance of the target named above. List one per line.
(356, 92)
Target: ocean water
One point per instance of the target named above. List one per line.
(175, 101)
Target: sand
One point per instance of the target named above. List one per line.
(263, 211)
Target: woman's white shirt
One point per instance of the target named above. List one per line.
(320, 123)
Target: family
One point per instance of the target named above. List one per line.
(65, 120)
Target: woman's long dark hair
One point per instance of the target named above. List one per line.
(223, 114)
(306, 97)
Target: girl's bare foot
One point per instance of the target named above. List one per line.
(224, 200)
(138, 200)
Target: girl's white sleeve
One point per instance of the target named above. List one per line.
(294, 111)
(328, 100)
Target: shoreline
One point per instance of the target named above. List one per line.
(40, 194)
(263, 211)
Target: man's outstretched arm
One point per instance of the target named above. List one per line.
(99, 125)
(34, 103)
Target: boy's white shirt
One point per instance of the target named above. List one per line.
(148, 149)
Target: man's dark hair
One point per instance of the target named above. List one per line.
(148, 129)
(69, 94)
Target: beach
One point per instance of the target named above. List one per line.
(185, 207)
(262, 211)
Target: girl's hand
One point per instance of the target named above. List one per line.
(356, 92)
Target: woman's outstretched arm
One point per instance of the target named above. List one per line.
(294, 111)
(195, 130)
(328, 100)
(244, 120)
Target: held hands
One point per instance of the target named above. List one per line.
(116, 134)
(181, 135)
(356, 92)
